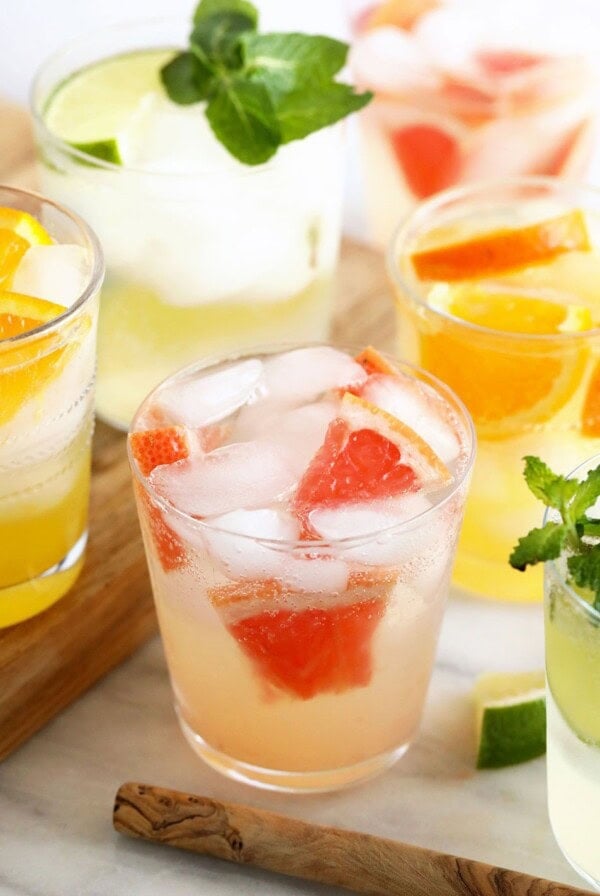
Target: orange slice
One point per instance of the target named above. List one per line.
(12, 249)
(18, 231)
(25, 226)
(399, 13)
(513, 384)
(26, 368)
(498, 251)
(590, 417)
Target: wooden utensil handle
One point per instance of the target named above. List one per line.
(360, 862)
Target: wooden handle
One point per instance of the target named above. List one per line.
(359, 862)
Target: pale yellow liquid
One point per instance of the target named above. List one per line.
(143, 339)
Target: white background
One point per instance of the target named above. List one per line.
(30, 30)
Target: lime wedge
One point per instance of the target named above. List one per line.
(107, 150)
(92, 107)
(510, 718)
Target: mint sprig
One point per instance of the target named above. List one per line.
(261, 90)
(571, 499)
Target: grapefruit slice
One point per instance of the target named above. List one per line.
(500, 251)
(306, 650)
(429, 157)
(367, 454)
(373, 362)
(152, 448)
(399, 13)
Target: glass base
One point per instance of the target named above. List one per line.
(289, 782)
(27, 599)
(583, 874)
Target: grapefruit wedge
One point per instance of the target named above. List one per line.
(152, 448)
(305, 645)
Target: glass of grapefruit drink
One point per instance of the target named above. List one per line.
(498, 294)
(470, 90)
(300, 511)
(50, 273)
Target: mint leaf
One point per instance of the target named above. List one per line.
(283, 62)
(586, 526)
(208, 8)
(539, 545)
(554, 490)
(587, 494)
(242, 117)
(310, 108)
(585, 572)
(186, 79)
(262, 90)
(215, 40)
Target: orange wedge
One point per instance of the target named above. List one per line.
(509, 384)
(499, 251)
(27, 368)
(590, 417)
(12, 249)
(25, 226)
(399, 13)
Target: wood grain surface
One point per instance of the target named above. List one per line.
(360, 862)
(48, 661)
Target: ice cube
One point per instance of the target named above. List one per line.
(389, 60)
(300, 431)
(243, 475)
(238, 547)
(315, 574)
(368, 524)
(410, 403)
(304, 374)
(57, 273)
(201, 400)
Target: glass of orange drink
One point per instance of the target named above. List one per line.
(51, 269)
(300, 511)
(497, 290)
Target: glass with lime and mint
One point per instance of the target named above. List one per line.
(211, 166)
(569, 545)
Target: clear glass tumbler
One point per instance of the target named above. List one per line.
(573, 705)
(46, 421)
(204, 255)
(296, 664)
(527, 393)
(467, 90)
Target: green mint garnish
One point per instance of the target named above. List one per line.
(571, 499)
(261, 90)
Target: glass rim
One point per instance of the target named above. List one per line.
(429, 208)
(38, 104)
(94, 279)
(442, 390)
(551, 565)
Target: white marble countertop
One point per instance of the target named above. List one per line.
(56, 792)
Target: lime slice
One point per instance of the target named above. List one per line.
(92, 107)
(510, 718)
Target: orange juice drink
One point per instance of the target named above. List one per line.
(466, 90)
(498, 294)
(300, 512)
(50, 273)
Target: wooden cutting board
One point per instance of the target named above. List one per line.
(48, 661)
